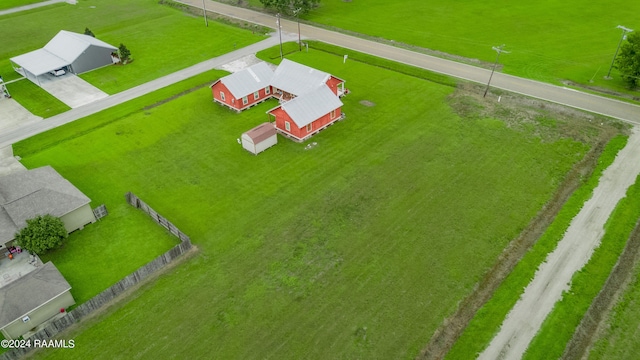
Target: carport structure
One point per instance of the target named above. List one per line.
(72, 52)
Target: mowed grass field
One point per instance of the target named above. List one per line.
(8, 4)
(549, 40)
(357, 248)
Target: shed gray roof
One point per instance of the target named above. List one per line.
(27, 194)
(60, 51)
(31, 291)
(296, 78)
(247, 81)
(307, 108)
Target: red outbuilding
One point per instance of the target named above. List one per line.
(305, 115)
(244, 88)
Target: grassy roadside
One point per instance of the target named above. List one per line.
(35, 99)
(91, 123)
(488, 319)
(559, 326)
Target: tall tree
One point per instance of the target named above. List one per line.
(289, 6)
(628, 61)
(41, 234)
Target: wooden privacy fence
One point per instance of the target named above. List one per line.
(135, 201)
(116, 289)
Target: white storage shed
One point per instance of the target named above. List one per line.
(260, 138)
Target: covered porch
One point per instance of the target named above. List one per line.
(13, 269)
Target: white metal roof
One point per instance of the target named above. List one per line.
(307, 108)
(249, 80)
(69, 45)
(59, 52)
(296, 78)
(39, 62)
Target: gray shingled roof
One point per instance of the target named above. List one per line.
(296, 78)
(60, 51)
(247, 81)
(27, 194)
(307, 108)
(31, 291)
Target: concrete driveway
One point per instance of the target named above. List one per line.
(13, 115)
(71, 90)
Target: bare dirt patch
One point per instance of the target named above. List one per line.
(367, 103)
(550, 122)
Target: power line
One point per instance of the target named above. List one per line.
(624, 35)
(499, 50)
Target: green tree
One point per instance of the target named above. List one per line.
(288, 7)
(628, 61)
(125, 54)
(41, 234)
(88, 32)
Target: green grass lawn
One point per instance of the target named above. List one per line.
(619, 340)
(37, 100)
(548, 40)
(8, 4)
(357, 248)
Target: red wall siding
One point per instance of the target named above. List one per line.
(281, 116)
(333, 83)
(228, 98)
(233, 102)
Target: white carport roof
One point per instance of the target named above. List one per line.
(59, 52)
(39, 62)
(309, 107)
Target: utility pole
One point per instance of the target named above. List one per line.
(279, 33)
(295, 13)
(204, 11)
(624, 36)
(499, 50)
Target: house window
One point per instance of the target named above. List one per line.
(287, 126)
(256, 95)
(333, 114)
(245, 101)
(267, 90)
(222, 95)
(309, 127)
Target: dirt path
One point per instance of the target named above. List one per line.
(573, 252)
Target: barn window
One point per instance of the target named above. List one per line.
(245, 101)
(267, 90)
(309, 127)
(287, 126)
(333, 114)
(222, 95)
(256, 95)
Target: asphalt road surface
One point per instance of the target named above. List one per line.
(573, 98)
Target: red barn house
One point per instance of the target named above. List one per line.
(244, 88)
(307, 114)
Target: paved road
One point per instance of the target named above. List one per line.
(596, 104)
(31, 6)
(113, 100)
